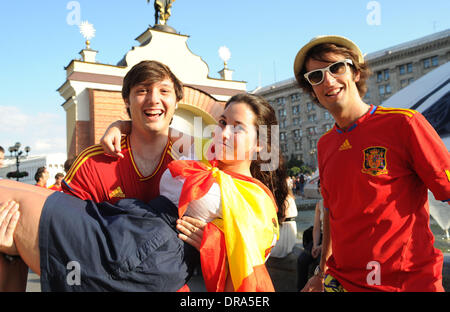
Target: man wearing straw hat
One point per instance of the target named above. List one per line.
(375, 166)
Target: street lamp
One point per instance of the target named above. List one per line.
(313, 153)
(17, 153)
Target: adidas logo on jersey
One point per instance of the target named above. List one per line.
(117, 193)
(345, 146)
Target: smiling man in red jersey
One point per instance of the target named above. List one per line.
(375, 167)
(150, 92)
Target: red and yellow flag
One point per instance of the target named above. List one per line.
(244, 236)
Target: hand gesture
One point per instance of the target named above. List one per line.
(110, 141)
(9, 216)
(191, 231)
(314, 284)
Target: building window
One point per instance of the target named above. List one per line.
(327, 116)
(282, 113)
(296, 121)
(298, 146)
(310, 106)
(295, 109)
(434, 61)
(410, 80)
(312, 130)
(281, 101)
(312, 117)
(297, 133)
(295, 97)
(409, 68)
(384, 89)
(379, 76)
(386, 74)
(431, 62)
(403, 83)
(283, 136)
(406, 68)
(283, 124)
(388, 89)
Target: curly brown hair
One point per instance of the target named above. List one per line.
(319, 53)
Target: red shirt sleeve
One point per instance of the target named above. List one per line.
(80, 181)
(430, 158)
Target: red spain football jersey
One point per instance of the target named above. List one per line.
(99, 177)
(374, 179)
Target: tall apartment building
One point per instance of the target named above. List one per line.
(302, 122)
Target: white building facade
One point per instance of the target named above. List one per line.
(30, 164)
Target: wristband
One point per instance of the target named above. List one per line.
(318, 272)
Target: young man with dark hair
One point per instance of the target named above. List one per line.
(375, 165)
(41, 177)
(150, 92)
(57, 185)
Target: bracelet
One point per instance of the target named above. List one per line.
(10, 258)
(318, 272)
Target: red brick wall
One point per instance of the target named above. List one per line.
(105, 108)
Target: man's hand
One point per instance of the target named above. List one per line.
(315, 284)
(315, 252)
(191, 231)
(9, 216)
(110, 141)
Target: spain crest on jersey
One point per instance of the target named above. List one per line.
(375, 161)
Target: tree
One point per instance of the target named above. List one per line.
(294, 171)
(294, 162)
(306, 169)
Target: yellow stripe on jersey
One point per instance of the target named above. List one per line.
(447, 172)
(85, 155)
(388, 110)
(173, 152)
(91, 151)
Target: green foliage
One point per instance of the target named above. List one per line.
(294, 171)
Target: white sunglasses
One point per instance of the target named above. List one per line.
(316, 76)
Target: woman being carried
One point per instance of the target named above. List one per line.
(128, 245)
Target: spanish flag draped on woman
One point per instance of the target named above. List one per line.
(240, 242)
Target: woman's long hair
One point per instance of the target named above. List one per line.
(274, 179)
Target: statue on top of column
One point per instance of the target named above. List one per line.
(162, 11)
